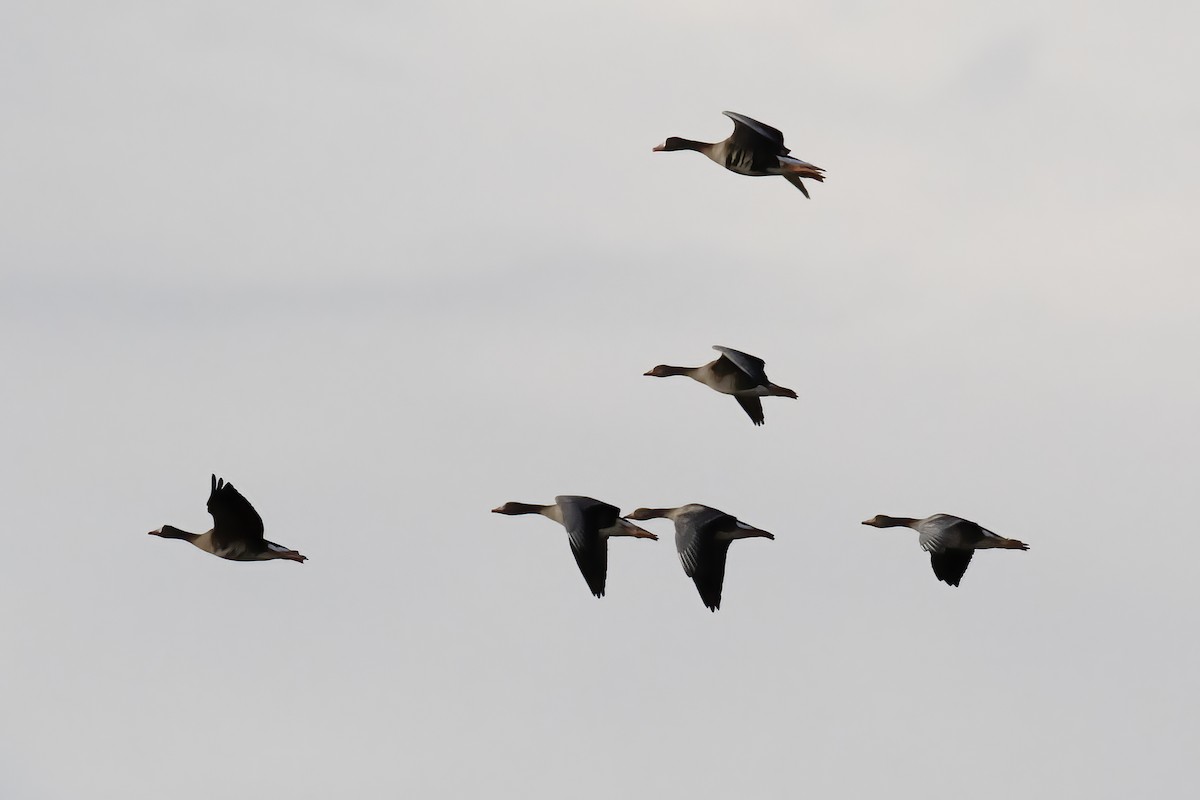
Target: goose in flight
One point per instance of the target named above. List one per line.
(752, 149)
(949, 540)
(735, 373)
(589, 524)
(237, 532)
(702, 537)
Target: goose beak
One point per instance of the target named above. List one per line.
(660, 148)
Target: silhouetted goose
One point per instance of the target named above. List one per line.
(237, 532)
(702, 537)
(734, 373)
(950, 541)
(589, 523)
(752, 149)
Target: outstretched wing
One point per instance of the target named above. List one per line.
(944, 531)
(752, 133)
(692, 532)
(584, 518)
(710, 578)
(949, 565)
(794, 180)
(752, 405)
(753, 367)
(234, 519)
(702, 554)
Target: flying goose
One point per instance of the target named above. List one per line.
(589, 524)
(734, 373)
(237, 532)
(702, 537)
(950, 541)
(752, 149)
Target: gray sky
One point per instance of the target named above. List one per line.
(385, 266)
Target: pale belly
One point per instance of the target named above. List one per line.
(236, 552)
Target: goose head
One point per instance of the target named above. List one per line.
(171, 532)
(649, 513)
(677, 143)
(884, 521)
(513, 509)
(666, 371)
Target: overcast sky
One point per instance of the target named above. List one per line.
(385, 266)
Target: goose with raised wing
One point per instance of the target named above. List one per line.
(589, 523)
(702, 537)
(237, 532)
(754, 149)
(735, 373)
(949, 540)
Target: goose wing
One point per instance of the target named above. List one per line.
(752, 367)
(944, 531)
(234, 519)
(752, 405)
(949, 565)
(701, 553)
(751, 133)
(584, 518)
(794, 180)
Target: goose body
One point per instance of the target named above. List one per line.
(734, 373)
(754, 149)
(237, 532)
(589, 525)
(949, 540)
(702, 538)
